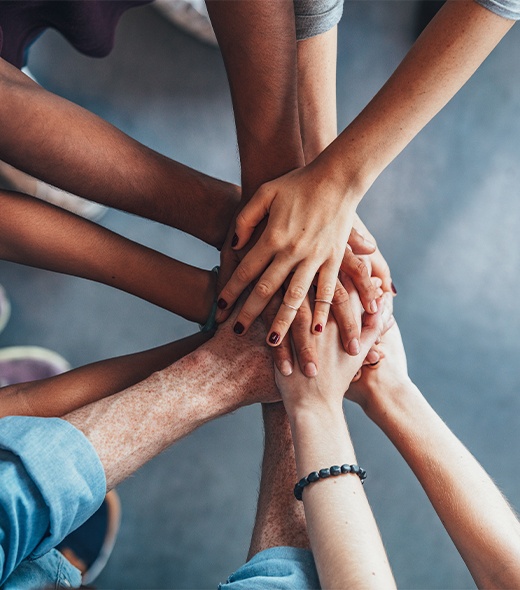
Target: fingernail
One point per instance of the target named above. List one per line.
(221, 303)
(286, 368)
(234, 241)
(373, 306)
(353, 346)
(318, 328)
(238, 328)
(274, 337)
(394, 290)
(369, 243)
(372, 357)
(311, 370)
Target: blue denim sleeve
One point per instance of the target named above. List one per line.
(283, 568)
(51, 481)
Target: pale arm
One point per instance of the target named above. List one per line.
(477, 517)
(129, 428)
(343, 534)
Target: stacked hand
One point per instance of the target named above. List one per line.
(289, 237)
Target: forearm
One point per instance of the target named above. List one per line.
(37, 234)
(258, 44)
(344, 538)
(444, 57)
(60, 395)
(477, 517)
(317, 58)
(131, 427)
(77, 151)
(280, 520)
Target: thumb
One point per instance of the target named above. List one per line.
(252, 214)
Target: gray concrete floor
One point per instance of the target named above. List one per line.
(447, 216)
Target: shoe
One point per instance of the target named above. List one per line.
(89, 547)
(191, 16)
(5, 308)
(19, 364)
(23, 183)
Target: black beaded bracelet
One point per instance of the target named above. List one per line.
(333, 471)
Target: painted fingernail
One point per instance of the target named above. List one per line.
(234, 241)
(373, 306)
(318, 328)
(394, 290)
(311, 370)
(221, 303)
(286, 368)
(238, 328)
(353, 346)
(274, 337)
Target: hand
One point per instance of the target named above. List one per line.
(376, 383)
(245, 361)
(337, 368)
(308, 226)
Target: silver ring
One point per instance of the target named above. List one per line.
(290, 306)
(323, 301)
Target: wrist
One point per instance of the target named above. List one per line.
(388, 403)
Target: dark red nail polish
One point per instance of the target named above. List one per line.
(318, 328)
(238, 328)
(394, 290)
(274, 338)
(234, 241)
(221, 303)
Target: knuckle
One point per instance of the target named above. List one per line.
(296, 292)
(243, 273)
(241, 220)
(359, 269)
(246, 316)
(327, 290)
(283, 325)
(274, 239)
(263, 289)
(340, 295)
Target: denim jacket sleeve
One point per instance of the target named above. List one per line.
(51, 481)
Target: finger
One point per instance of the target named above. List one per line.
(228, 263)
(252, 265)
(265, 288)
(252, 214)
(356, 269)
(373, 326)
(296, 292)
(303, 340)
(346, 320)
(360, 244)
(372, 357)
(357, 376)
(325, 289)
(381, 269)
(282, 355)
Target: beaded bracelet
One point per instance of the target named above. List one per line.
(328, 472)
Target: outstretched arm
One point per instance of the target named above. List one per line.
(38, 234)
(311, 210)
(477, 517)
(343, 534)
(66, 146)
